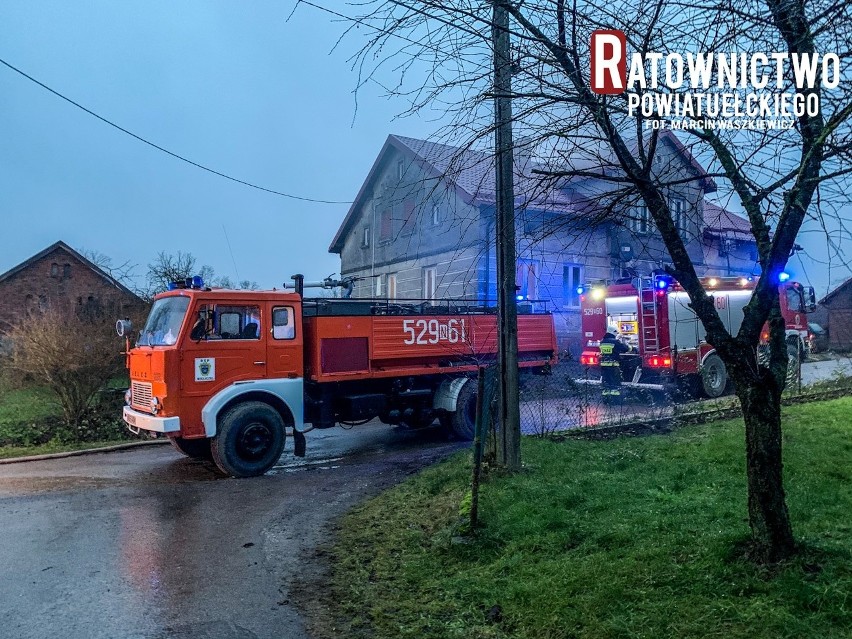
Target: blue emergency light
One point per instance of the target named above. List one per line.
(783, 276)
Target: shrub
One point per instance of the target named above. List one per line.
(72, 354)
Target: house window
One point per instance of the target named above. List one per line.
(54, 270)
(66, 270)
(640, 221)
(436, 215)
(386, 230)
(365, 237)
(400, 169)
(379, 285)
(572, 279)
(407, 217)
(678, 209)
(430, 283)
(392, 286)
(526, 279)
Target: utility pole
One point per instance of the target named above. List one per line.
(507, 310)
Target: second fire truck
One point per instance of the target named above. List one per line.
(652, 314)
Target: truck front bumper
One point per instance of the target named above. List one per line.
(137, 421)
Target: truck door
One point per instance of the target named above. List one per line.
(225, 344)
(285, 341)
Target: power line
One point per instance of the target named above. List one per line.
(166, 151)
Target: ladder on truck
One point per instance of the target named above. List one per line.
(649, 331)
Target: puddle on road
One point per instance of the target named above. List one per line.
(221, 629)
(297, 465)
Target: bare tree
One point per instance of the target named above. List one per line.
(778, 176)
(122, 272)
(74, 354)
(169, 267)
(176, 267)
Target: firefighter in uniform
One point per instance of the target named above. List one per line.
(611, 349)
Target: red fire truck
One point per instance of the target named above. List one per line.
(652, 314)
(223, 373)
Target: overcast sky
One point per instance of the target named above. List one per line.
(231, 85)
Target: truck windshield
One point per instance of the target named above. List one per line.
(163, 325)
(794, 301)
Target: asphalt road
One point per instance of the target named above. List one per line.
(148, 544)
(145, 543)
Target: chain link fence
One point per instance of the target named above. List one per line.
(565, 400)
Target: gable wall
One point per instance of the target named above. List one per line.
(37, 286)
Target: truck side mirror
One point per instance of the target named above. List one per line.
(810, 299)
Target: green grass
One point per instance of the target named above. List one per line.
(637, 537)
(31, 422)
(27, 416)
(27, 404)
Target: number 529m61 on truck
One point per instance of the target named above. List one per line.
(224, 373)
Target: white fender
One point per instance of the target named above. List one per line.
(448, 392)
(290, 391)
(704, 359)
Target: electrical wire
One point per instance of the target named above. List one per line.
(166, 151)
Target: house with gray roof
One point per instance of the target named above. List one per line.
(422, 227)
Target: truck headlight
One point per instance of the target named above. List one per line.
(128, 396)
(155, 405)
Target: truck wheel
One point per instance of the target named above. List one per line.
(193, 448)
(463, 421)
(714, 376)
(249, 439)
(796, 348)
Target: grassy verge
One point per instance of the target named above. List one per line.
(31, 423)
(637, 537)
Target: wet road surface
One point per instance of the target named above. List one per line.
(148, 544)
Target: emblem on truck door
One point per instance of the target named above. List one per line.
(205, 369)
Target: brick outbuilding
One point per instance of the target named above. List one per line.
(61, 275)
(838, 304)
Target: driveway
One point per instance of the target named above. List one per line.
(145, 543)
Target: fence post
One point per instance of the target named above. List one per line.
(477, 448)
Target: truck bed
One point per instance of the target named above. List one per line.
(356, 346)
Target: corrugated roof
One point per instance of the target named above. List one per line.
(840, 288)
(723, 223)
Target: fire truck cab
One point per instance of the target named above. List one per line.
(225, 373)
(652, 314)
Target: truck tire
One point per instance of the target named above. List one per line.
(463, 421)
(249, 439)
(796, 348)
(193, 448)
(714, 376)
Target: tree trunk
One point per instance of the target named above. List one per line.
(772, 534)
